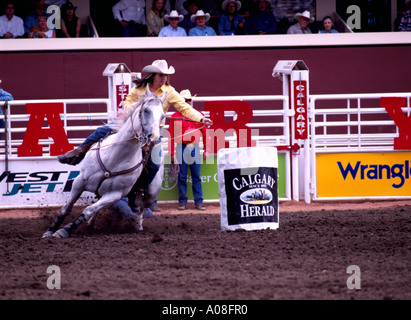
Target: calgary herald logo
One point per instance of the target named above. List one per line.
(256, 196)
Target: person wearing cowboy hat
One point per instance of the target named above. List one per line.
(187, 135)
(201, 29)
(301, 27)
(157, 78)
(70, 23)
(191, 6)
(262, 21)
(173, 30)
(230, 22)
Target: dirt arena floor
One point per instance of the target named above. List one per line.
(185, 256)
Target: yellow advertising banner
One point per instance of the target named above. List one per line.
(364, 174)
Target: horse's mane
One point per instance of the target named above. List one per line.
(122, 118)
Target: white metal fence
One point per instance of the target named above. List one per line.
(348, 123)
(270, 126)
(92, 114)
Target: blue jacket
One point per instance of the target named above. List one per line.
(224, 24)
(5, 96)
(261, 21)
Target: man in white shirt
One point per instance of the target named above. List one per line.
(11, 26)
(132, 17)
(173, 30)
(301, 27)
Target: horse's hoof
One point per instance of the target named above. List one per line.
(47, 234)
(61, 233)
(139, 227)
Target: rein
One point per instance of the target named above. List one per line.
(184, 119)
(109, 174)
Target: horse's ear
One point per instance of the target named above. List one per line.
(164, 97)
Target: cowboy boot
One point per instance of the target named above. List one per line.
(75, 156)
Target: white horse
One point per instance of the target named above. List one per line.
(111, 168)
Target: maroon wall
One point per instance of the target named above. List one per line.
(78, 74)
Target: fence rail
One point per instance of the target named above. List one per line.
(16, 123)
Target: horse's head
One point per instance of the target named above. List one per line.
(151, 114)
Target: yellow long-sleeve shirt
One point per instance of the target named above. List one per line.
(173, 98)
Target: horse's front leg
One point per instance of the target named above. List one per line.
(77, 190)
(105, 201)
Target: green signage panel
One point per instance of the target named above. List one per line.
(209, 177)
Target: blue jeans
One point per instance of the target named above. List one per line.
(100, 133)
(153, 164)
(189, 157)
(133, 30)
(124, 209)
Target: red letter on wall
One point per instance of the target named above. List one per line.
(393, 107)
(244, 115)
(35, 131)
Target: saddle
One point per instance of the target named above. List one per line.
(139, 187)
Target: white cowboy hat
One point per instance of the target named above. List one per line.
(305, 14)
(226, 2)
(174, 14)
(158, 66)
(200, 13)
(186, 94)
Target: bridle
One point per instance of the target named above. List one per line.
(146, 146)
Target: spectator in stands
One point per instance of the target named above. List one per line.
(328, 26)
(261, 21)
(155, 18)
(58, 3)
(173, 30)
(201, 29)
(211, 7)
(70, 23)
(178, 5)
(4, 96)
(405, 22)
(230, 22)
(32, 20)
(191, 6)
(11, 26)
(187, 135)
(130, 14)
(41, 31)
(301, 27)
